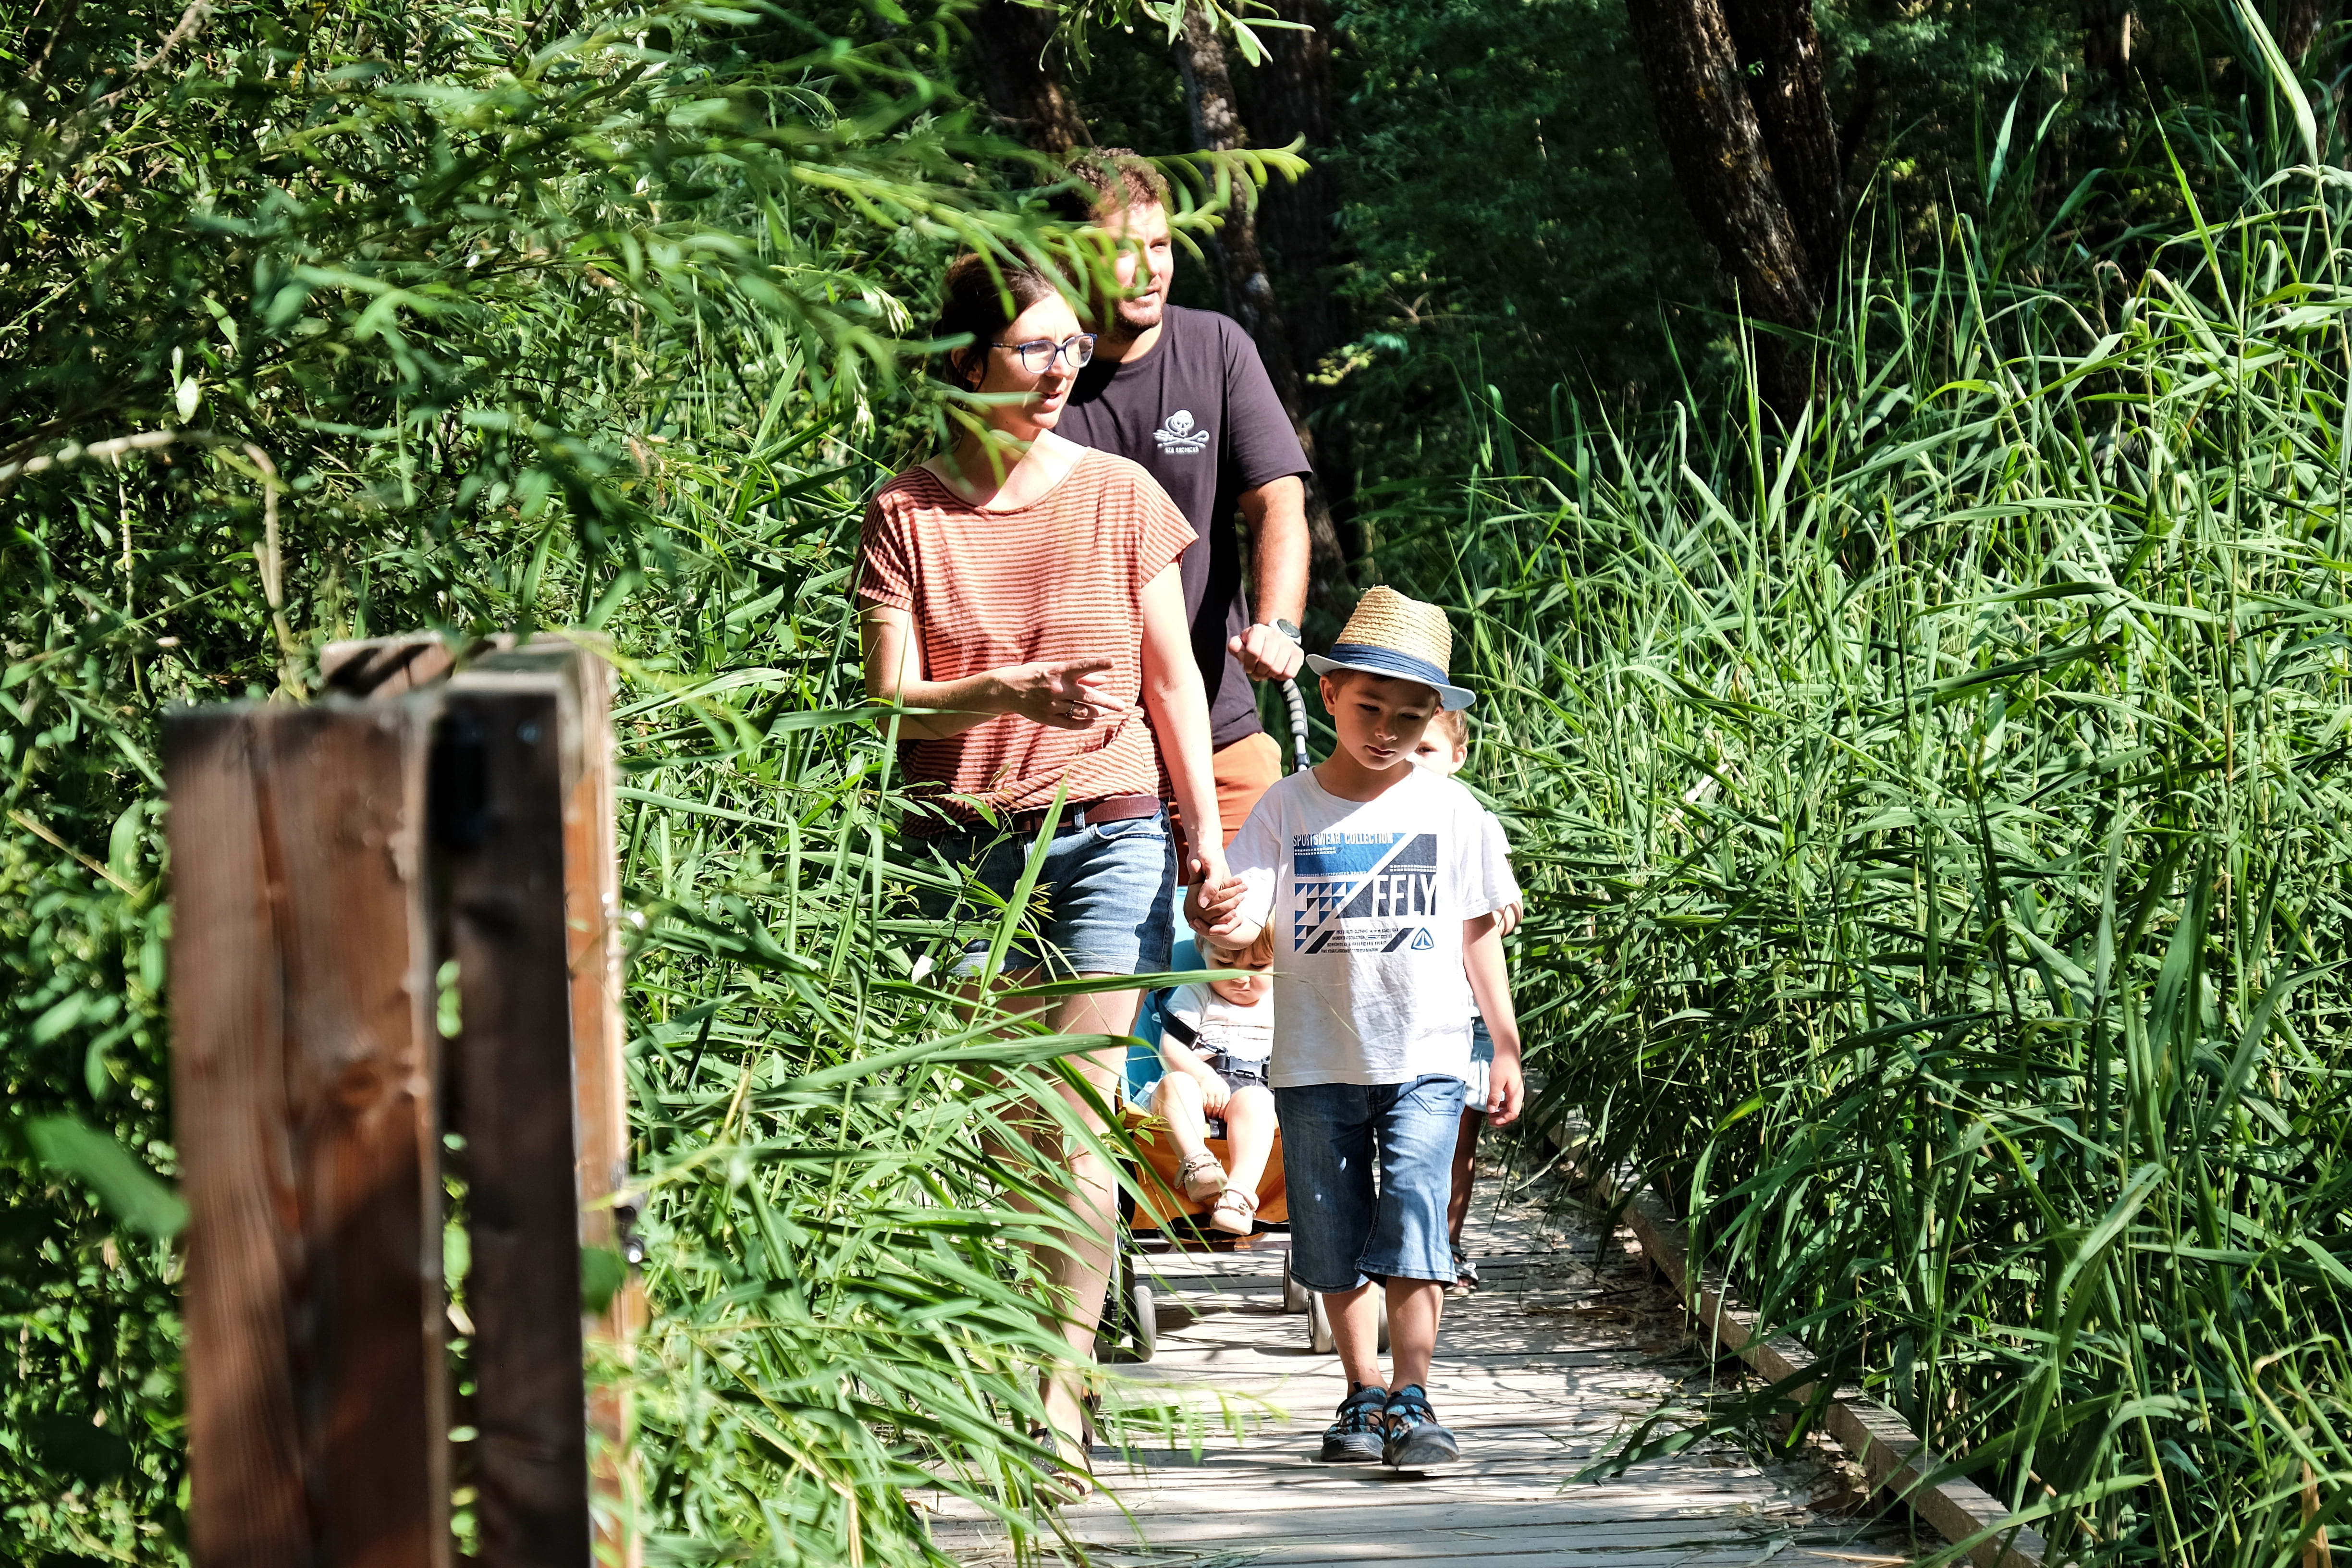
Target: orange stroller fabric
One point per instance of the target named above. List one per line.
(1164, 1202)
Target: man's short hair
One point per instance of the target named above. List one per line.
(1109, 179)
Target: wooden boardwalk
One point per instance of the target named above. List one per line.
(1535, 1372)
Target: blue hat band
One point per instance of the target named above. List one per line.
(1388, 661)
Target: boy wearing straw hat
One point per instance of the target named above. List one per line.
(1382, 887)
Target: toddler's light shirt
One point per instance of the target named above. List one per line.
(1245, 1034)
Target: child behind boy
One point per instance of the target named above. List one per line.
(1445, 747)
(1214, 1040)
(1382, 886)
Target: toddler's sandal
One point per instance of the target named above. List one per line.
(1201, 1177)
(1234, 1211)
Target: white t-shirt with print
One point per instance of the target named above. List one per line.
(1245, 1034)
(1367, 900)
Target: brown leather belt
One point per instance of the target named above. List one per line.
(1074, 815)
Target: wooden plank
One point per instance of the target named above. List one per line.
(1531, 1394)
(305, 1066)
(391, 666)
(498, 830)
(592, 915)
(591, 904)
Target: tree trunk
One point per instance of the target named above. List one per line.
(2107, 41)
(2298, 23)
(1217, 126)
(1009, 42)
(1780, 52)
(1716, 142)
(1288, 99)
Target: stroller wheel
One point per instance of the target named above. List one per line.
(1319, 1337)
(1147, 1322)
(1293, 1294)
(1318, 1327)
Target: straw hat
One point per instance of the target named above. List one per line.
(1391, 635)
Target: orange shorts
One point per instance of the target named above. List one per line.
(1246, 770)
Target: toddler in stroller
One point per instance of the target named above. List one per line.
(1214, 1042)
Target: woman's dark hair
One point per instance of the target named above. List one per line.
(973, 305)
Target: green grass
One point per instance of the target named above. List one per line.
(1934, 828)
(533, 315)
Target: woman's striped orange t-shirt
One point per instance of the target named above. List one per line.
(1059, 579)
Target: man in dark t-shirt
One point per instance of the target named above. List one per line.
(1185, 393)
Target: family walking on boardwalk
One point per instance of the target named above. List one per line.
(1064, 592)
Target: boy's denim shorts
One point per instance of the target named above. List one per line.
(1344, 1231)
(1107, 889)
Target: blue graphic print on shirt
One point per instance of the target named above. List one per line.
(1356, 892)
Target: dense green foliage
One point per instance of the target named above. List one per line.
(1933, 815)
(1937, 819)
(471, 319)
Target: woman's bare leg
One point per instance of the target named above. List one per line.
(1077, 1265)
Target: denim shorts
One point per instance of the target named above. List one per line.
(1482, 1061)
(1107, 891)
(1343, 1229)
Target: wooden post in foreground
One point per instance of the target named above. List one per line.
(325, 860)
(304, 1070)
(524, 825)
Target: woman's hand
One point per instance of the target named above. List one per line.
(1065, 694)
(1213, 907)
(1068, 694)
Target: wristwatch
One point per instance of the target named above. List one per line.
(1287, 629)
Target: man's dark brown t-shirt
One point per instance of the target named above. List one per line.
(1200, 414)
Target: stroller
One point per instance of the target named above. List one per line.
(1130, 1324)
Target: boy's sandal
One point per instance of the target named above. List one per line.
(1234, 1211)
(1209, 1180)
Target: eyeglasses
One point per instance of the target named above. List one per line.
(1038, 354)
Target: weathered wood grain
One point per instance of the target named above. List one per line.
(499, 829)
(304, 1061)
(591, 907)
(1535, 1373)
(580, 683)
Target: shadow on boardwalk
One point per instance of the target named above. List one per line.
(1536, 1372)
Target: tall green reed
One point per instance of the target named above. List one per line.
(1934, 821)
(475, 319)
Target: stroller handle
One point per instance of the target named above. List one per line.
(1297, 724)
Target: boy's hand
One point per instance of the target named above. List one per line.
(1215, 1091)
(1507, 1090)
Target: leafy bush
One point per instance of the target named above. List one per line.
(345, 321)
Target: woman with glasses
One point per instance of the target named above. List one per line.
(1027, 589)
